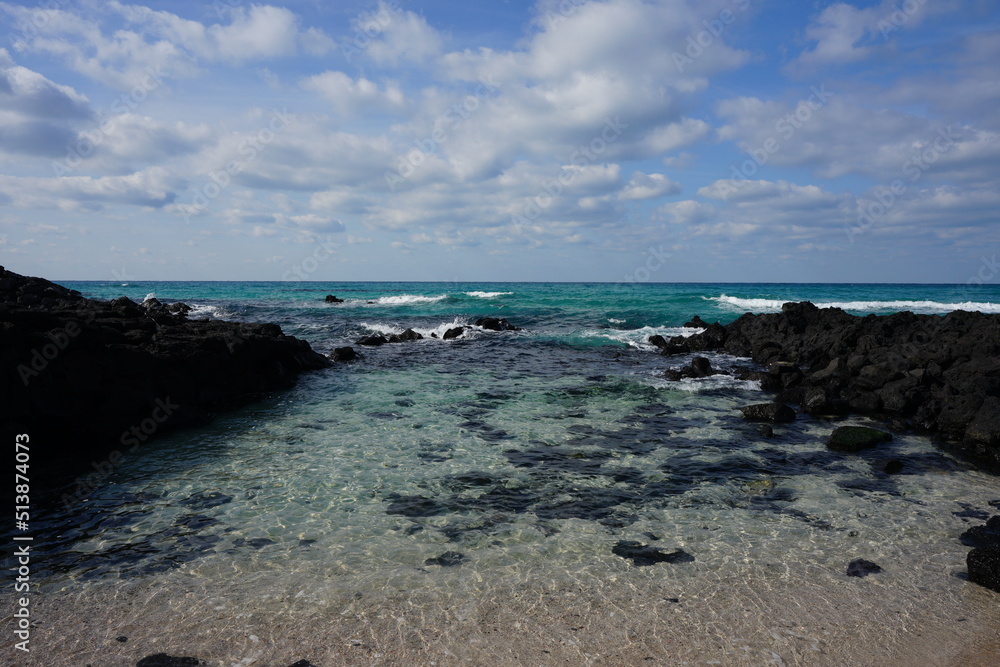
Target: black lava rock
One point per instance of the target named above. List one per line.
(495, 324)
(769, 412)
(984, 568)
(332, 299)
(853, 439)
(373, 340)
(454, 332)
(164, 660)
(343, 354)
(91, 378)
(447, 559)
(642, 554)
(859, 567)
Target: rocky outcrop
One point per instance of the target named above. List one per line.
(332, 299)
(85, 378)
(928, 372)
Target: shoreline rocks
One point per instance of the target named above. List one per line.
(91, 381)
(932, 373)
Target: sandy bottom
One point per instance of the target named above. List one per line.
(661, 615)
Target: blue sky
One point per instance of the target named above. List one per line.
(659, 140)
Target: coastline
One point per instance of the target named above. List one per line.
(587, 603)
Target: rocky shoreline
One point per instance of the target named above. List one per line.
(91, 381)
(926, 373)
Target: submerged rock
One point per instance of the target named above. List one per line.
(454, 332)
(859, 567)
(984, 568)
(343, 354)
(373, 340)
(642, 554)
(164, 660)
(332, 299)
(769, 412)
(853, 439)
(447, 559)
(495, 324)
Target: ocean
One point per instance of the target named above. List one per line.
(394, 509)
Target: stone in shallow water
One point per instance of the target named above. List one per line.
(983, 537)
(447, 559)
(769, 412)
(164, 660)
(859, 567)
(642, 554)
(206, 500)
(984, 568)
(855, 438)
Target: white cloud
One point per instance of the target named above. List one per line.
(350, 96)
(648, 186)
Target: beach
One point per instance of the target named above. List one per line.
(482, 499)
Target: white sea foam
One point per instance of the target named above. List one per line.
(774, 305)
(614, 321)
(710, 383)
(638, 338)
(487, 295)
(427, 332)
(406, 299)
(201, 311)
(151, 295)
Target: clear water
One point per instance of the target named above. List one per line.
(529, 453)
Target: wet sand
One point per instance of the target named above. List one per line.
(658, 615)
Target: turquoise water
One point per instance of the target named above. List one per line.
(529, 453)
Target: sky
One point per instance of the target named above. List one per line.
(558, 140)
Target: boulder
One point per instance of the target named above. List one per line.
(455, 332)
(696, 323)
(374, 340)
(344, 354)
(405, 337)
(701, 367)
(984, 568)
(768, 412)
(859, 567)
(642, 555)
(495, 324)
(332, 299)
(853, 439)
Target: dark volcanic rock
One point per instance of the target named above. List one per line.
(373, 340)
(405, 337)
(85, 377)
(984, 568)
(455, 332)
(769, 412)
(495, 324)
(447, 559)
(696, 323)
(343, 354)
(701, 367)
(938, 373)
(642, 554)
(332, 299)
(983, 537)
(855, 438)
(859, 567)
(164, 660)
